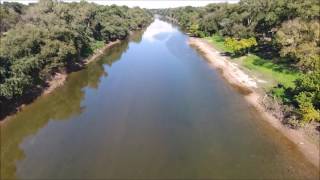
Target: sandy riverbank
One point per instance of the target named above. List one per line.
(239, 79)
(59, 78)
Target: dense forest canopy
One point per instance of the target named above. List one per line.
(10, 14)
(288, 29)
(293, 26)
(41, 39)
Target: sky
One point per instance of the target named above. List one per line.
(150, 4)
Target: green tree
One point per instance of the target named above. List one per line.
(239, 47)
(10, 15)
(299, 40)
(194, 30)
(53, 36)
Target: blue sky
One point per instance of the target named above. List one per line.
(144, 3)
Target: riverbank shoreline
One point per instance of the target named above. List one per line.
(60, 77)
(249, 88)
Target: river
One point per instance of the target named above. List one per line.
(151, 107)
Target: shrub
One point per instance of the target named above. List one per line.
(241, 46)
(306, 107)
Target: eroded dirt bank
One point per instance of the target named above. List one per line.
(248, 86)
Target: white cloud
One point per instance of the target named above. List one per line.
(144, 3)
(156, 28)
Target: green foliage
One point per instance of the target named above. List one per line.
(274, 72)
(53, 36)
(279, 93)
(305, 95)
(309, 82)
(93, 46)
(280, 73)
(245, 19)
(276, 28)
(292, 25)
(306, 108)
(219, 43)
(97, 45)
(241, 46)
(308, 95)
(300, 41)
(10, 15)
(194, 30)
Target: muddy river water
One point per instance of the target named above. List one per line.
(151, 107)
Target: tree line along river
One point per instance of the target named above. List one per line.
(150, 108)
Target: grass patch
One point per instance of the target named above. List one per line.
(280, 73)
(262, 68)
(218, 42)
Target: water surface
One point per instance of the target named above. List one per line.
(150, 108)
